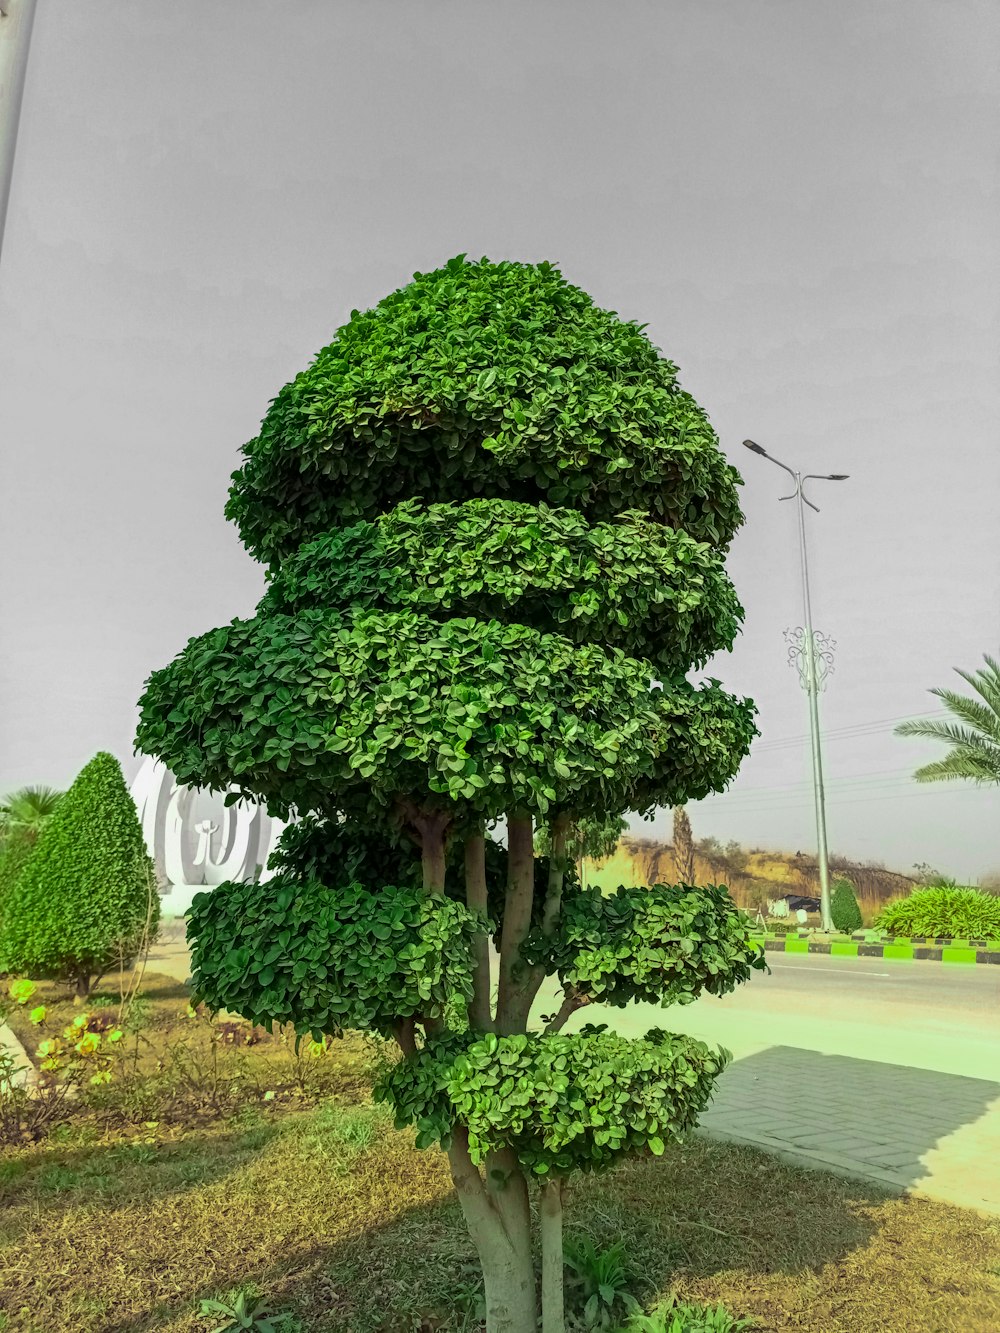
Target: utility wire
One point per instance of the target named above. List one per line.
(899, 779)
(849, 732)
(782, 802)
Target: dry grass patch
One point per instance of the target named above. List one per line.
(334, 1216)
(138, 1207)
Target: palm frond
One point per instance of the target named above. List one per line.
(976, 752)
(978, 715)
(977, 768)
(947, 731)
(29, 807)
(986, 683)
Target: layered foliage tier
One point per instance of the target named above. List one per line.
(321, 710)
(481, 379)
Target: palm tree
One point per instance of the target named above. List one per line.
(975, 755)
(25, 812)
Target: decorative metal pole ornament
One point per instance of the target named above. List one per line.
(810, 666)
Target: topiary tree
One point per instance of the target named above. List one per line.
(495, 529)
(844, 907)
(86, 898)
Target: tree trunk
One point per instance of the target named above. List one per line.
(480, 1016)
(502, 1235)
(516, 921)
(432, 826)
(550, 1213)
(683, 846)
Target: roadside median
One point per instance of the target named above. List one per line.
(906, 949)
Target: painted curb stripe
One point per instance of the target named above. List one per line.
(958, 955)
(901, 952)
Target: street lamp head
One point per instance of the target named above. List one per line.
(837, 476)
(749, 444)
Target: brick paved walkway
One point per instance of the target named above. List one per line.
(916, 1129)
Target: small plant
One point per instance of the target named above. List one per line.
(677, 1317)
(600, 1279)
(21, 991)
(844, 907)
(944, 913)
(28, 1114)
(241, 1316)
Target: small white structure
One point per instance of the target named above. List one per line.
(196, 840)
(778, 908)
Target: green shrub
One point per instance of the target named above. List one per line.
(659, 945)
(530, 1091)
(682, 1317)
(844, 907)
(945, 913)
(87, 897)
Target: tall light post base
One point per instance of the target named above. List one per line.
(811, 653)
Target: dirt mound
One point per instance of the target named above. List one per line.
(753, 877)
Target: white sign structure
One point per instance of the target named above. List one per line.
(196, 840)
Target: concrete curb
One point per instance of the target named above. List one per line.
(938, 951)
(25, 1073)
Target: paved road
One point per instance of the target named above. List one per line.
(917, 996)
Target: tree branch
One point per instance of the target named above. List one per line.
(572, 1001)
(476, 898)
(516, 920)
(558, 862)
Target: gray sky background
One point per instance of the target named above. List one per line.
(799, 198)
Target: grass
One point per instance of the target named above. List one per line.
(311, 1199)
(335, 1217)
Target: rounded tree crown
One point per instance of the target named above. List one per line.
(493, 379)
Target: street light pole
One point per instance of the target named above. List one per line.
(16, 17)
(812, 675)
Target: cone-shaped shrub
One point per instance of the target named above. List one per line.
(81, 904)
(15, 853)
(844, 907)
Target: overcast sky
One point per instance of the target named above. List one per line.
(800, 199)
